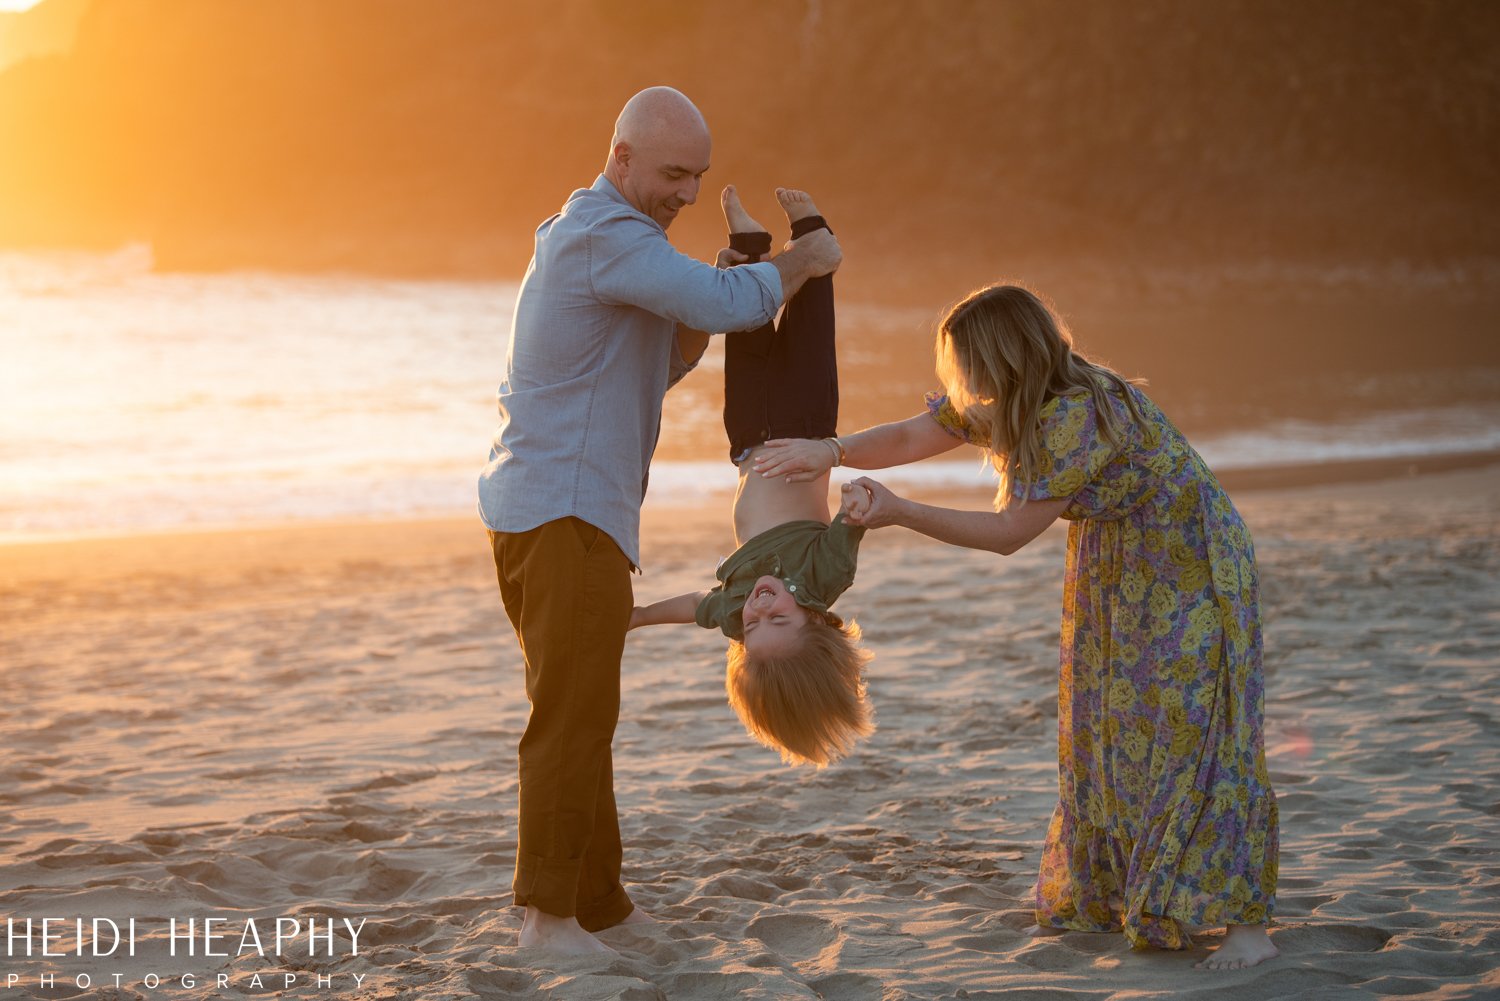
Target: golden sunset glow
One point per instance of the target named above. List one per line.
(264, 666)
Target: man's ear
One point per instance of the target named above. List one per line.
(621, 154)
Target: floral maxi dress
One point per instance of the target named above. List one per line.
(1165, 812)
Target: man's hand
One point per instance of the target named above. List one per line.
(729, 257)
(811, 256)
(824, 253)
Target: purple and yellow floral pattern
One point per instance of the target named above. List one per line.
(1165, 813)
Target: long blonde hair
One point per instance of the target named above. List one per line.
(1001, 355)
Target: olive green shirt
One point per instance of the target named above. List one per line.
(815, 561)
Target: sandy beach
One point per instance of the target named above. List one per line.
(319, 723)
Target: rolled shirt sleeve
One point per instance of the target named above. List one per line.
(631, 263)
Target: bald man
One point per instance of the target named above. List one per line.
(609, 316)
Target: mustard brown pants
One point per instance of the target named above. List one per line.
(566, 589)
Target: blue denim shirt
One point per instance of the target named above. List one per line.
(593, 349)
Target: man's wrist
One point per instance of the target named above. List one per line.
(792, 267)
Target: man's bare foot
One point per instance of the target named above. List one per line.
(734, 213)
(796, 204)
(1243, 947)
(540, 930)
(638, 917)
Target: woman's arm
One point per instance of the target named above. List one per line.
(682, 608)
(879, 447)
(873, 505)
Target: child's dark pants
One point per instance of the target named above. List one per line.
(783, 381)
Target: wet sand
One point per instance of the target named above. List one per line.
(320, 722)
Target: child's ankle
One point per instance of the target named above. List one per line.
(756, 245)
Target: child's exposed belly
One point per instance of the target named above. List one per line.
(761, 504)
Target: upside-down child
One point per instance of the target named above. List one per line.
(795, 673)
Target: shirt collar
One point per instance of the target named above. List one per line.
(606, 187)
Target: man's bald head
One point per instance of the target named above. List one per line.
(659, 152)
(656, 113)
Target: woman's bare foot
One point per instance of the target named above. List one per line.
(734, 213)
(796, 204)
(540, 930)
(1243, 947)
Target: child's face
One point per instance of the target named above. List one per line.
(773, 619)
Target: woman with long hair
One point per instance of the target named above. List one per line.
(1166, 821)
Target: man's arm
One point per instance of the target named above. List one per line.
(631, 263)
(683, 608)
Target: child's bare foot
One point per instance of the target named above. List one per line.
(734, 213)
(796, 204)
(1243, 947)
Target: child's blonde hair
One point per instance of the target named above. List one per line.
(808, 704)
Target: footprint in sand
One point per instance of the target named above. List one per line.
(499, 983)
(388, 782)
(731, 885)
(1313, 939)
(847, 987)
(712, 986)
(794, 935)
(1302, 904)
(605, 987)
(1050, 955)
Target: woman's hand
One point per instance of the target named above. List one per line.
(636, 620)
(871, 504)
(798, 460)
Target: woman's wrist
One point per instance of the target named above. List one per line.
(843, 455)
(906, 513)
(835, 449)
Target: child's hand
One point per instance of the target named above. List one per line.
(796, 459)
(855, 503)
(871, 504)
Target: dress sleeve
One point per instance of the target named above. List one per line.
(1073, 450)
(951, 421)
